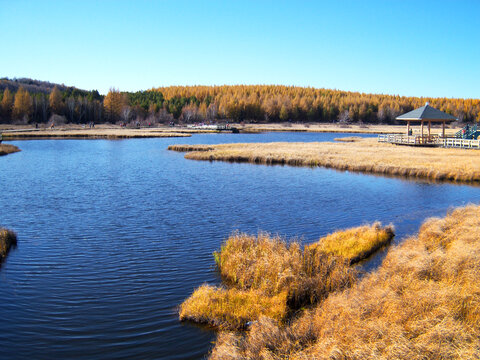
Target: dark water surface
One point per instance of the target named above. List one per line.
(113, 235)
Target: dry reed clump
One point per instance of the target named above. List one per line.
(348, 139)
(183, 148)
(365, 155)
(8, 149)
(422, 303)
(7, 239)
(356, 244)
(268, 277)
(231, 308)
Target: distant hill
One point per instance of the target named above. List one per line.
(37, 86)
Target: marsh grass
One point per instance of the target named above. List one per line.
(8, 239)
(8, 149)
(422, 303)
(356, 244)
(268, 276)
(366, 155)
(232, 308)
(100, 133)
(348, 139)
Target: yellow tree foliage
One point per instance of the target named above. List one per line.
(55, 100)
(278, 102)
(113, 104)
(7, 103)
(23, 104)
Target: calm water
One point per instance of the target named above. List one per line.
(113, 235)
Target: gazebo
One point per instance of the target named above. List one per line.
(429, 115)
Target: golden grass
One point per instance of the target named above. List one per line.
(333, 128)
(8, 149)
(422, 303)
(267, 276)
(231, 308)
(356, 244)
(96, 133)
(7, 239)
(348, 139)
(366, 155)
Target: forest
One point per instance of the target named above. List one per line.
(24, 101)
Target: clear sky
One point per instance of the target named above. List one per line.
(413, 48)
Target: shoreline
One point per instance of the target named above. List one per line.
(104, 131)
(361, 155)
(6, 149)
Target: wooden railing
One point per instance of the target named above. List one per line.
(459, 143)
(432, 140)
(409, 139)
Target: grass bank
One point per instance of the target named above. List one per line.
(6, 149)
(365, 155)
(422, 303)
(267, 276)
(100, 133)
(7, 239)
(332, 128)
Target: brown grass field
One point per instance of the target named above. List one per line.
(422, 303)
(7, 239)
(365, 155)
(6, 149)
(268, 276)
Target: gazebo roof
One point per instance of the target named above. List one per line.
(427, 113)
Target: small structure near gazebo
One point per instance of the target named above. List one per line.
(427, 115)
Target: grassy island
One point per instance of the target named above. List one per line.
(6, 149)
(268, 276)
(422, 303)
(362, 155)
(7, 239)
(100, 132)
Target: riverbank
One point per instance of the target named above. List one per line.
(333, 128)
(7, 239)
(422, 303)
(100, 132)
(363, 155)
(6, 149)
(115, 131)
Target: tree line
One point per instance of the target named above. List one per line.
(189, 104)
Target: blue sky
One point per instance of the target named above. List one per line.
(413, 48)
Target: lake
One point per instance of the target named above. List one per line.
(114, 234)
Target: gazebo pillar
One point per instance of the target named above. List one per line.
(443, 129)
(408, 127)
(421, 131)
(429, 124)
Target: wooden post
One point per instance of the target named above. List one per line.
(443, 129)
(421, 131)
(408, 127)
(429, 123)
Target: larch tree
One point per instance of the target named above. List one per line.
(56, 103)
(22, 106)
(7, 104)
(113, 105)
